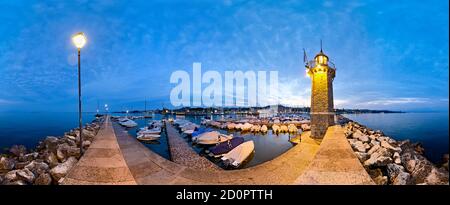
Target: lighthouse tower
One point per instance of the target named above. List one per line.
(322, 73)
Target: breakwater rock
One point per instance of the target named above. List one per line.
(49, 162)
(391, 162)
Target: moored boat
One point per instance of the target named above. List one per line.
(127, 122)
(148, 137)
(263, 128)
(225, 147)
(210, 138)
(200, 131)
(239, 154)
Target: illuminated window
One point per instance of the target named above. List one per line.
(322, 60)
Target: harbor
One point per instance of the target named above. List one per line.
(150, 168)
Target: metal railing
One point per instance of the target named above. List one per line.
(312, 64)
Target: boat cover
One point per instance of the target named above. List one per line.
(225, 147)
(237, 155)
(201, 131)
(211, 138)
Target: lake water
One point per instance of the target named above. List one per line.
(431, 129)
(28, 128)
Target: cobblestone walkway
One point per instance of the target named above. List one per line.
(335, 162)
(102, 163)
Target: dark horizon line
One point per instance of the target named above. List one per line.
(243, 107)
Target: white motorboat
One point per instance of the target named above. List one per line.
(189, 126)
(246, 126)
(239, 154)
(210, 138)
(148, 137)
(127, 122)
(146, 130)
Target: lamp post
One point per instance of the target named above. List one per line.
(79, 40)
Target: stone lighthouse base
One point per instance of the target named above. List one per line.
(320, 123)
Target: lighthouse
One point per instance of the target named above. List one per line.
(322, 72)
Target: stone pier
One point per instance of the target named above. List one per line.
(183, 154)
(335, 162)
(103, 163)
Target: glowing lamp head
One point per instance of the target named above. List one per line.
(79, 40)
(321, 59)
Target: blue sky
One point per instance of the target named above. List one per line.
(388, 54)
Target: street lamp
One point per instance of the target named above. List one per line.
(79, 40)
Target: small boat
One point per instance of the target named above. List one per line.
(264, 128)
(223, 126)
(246, 126)
(190, 126)
(275, 128)
(148, 137)
(225, 147)
(127, 122)
(205, 121)
(239, 154)
(189, 132)
(255, 128)
(231, 126)
(210, 138)
(284, 128)
(292, 128)
(155, 123)
(215, 124)
(200, 131)
(305, 127)
(146, 130)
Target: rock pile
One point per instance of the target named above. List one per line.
(49, 162)
(393, 162)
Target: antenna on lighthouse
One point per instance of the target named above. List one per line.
(321, 45)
